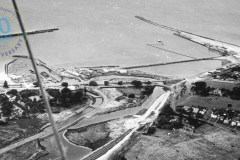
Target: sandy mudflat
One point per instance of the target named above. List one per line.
(120, 126)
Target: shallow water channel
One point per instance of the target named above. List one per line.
(77, 152)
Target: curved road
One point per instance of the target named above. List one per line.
(116, 145)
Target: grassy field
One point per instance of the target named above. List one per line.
(220, 85)
(178, 145)
(130, 90)
(210, 102)
(24, 152)
(19, 129)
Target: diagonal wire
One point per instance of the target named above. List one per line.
(170, 51)
(49, 111)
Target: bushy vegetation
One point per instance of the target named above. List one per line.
(29, 105)
(7, 106)
(120, 82)
(12, 92)
(28, 93)
(64, 84)
(131, 96)
(65, 98)
(148, 90)
(201, 88)
(166, 119)
(136, 83)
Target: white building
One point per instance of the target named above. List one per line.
(122, 71)
(73, 73)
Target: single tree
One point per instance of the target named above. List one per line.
(93, 83)
(106, 83)
(65, 90)
(36, 84)
(5, 85)
(229, 106)
(136, 83)
(120, 83)
(131, 96)
(34, 100)
(64, 84)
(148, 82)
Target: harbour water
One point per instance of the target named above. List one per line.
(107, 33)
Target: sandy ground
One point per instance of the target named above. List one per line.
(59, 117)
(111, 94)
(63, 115)
(120, 126)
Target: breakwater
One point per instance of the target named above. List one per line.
(168, 63)
(30, 32)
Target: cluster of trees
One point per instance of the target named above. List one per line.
(136, 83)
(233, 94)
(235, 69)
(164, 119)
(28, 93)
(65, 97)
(12, 92)
(31, 106)
(60, 99)
(148, 90)
(201, 88)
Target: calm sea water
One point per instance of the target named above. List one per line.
(106, 32)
